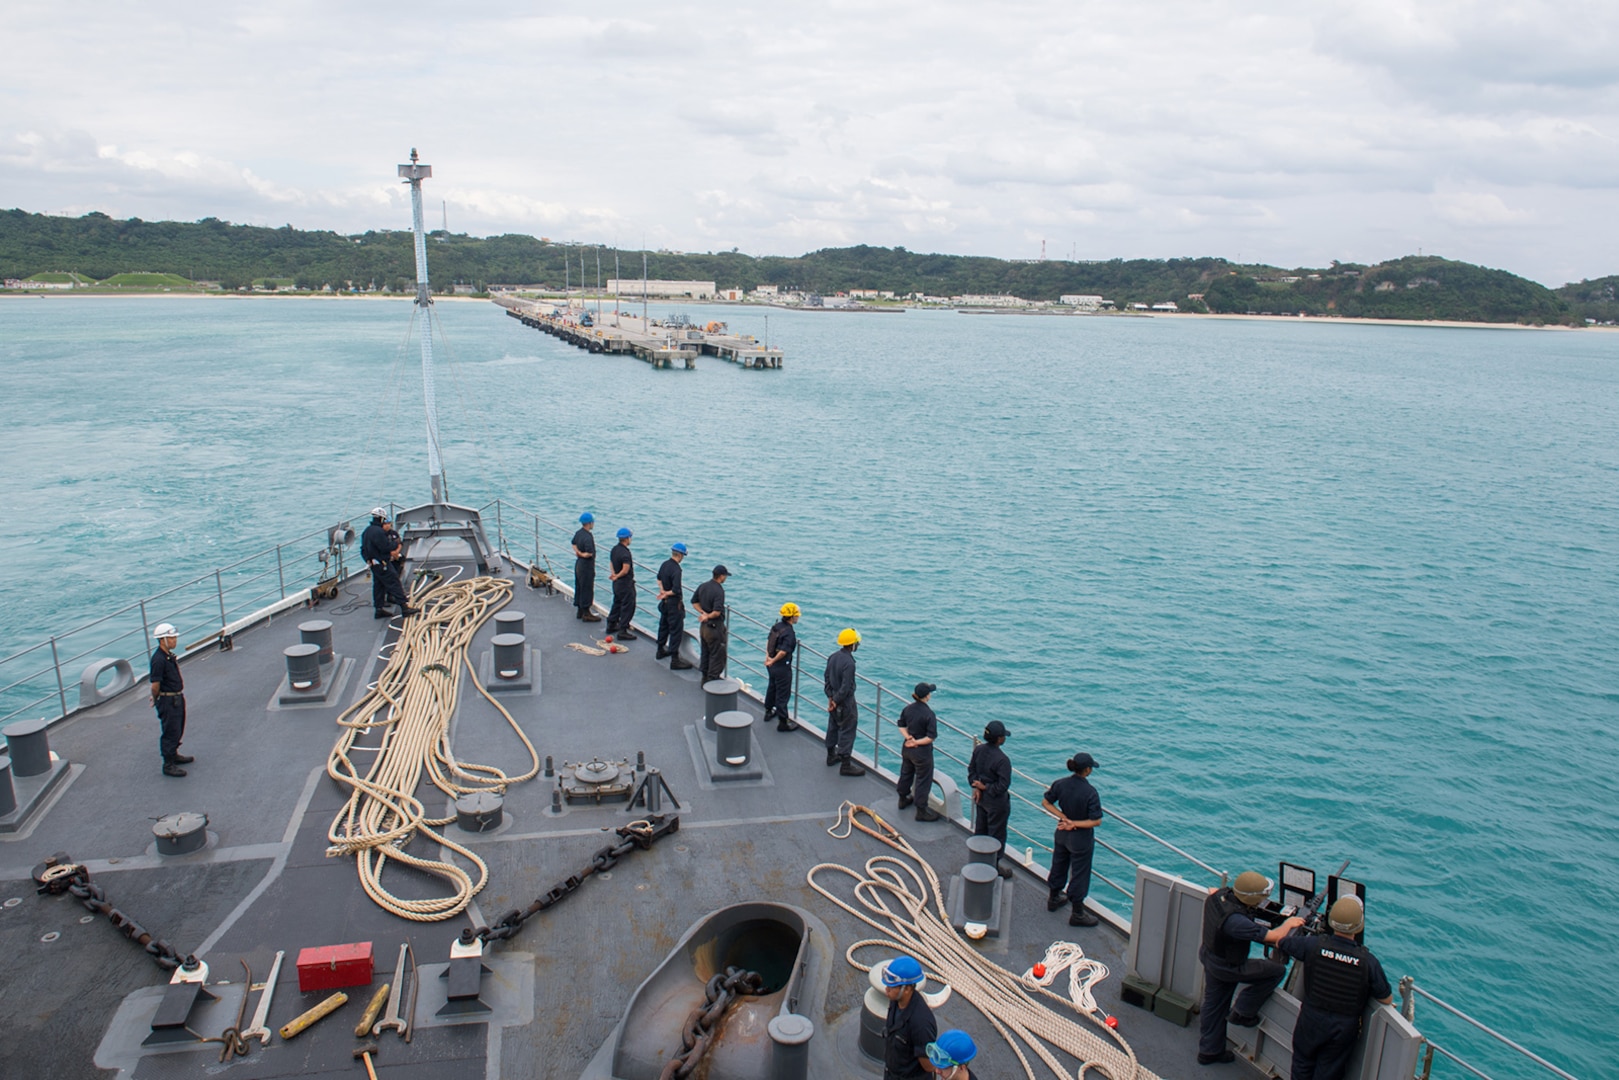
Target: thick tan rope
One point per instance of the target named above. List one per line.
(412, 703)
(913, 914)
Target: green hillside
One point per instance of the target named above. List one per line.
(245, 256)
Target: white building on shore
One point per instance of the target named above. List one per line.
(695, 290)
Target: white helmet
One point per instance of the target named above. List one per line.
(379, 512)
(164, 630)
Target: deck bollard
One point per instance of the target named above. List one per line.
(978, 892)
(982, 849)
(29, 747)
(509, 622)
(509, 650)
(732, 746)
(479, 811)
(318, 632)
(719, 696)
(8, 794)
(789, 1055)
(303, 666)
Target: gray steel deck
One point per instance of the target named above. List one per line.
(264, 882)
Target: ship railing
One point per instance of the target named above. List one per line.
(44, 679)
(1409, 990)
(525, 534)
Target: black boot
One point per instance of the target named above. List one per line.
(926, 814)
(848, 766)
(171, 769)
(785, 723)
(904, 801)
(677, 664)
(183, 759)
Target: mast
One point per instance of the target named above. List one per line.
(414, 174)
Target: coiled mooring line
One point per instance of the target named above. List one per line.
(412, 702)
(913, 914)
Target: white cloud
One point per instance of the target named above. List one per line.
(1290, 133)
(1478, 208)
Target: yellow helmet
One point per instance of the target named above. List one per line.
(789, 610)
(849, 636)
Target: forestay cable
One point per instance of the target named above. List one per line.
(894, 899)
(412, 703)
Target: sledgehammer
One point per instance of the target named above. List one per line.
(366, 1053)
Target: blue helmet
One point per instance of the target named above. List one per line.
(954, 1047)
(624, 534)
(902, 971)
(681, 548)
(586, 518)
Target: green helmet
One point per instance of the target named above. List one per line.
(1252, 888)
(1347, 915)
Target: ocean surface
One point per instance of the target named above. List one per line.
(1308, 591)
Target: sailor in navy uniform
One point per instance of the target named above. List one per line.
(921, 727)
(1078, 810)
(781, 645)
(909, 1026)
(584, 569)
(1340, 977)
(989, 773)
(672, 609)
(1229, 929)
(622, 575)
(169, 699)
(708, 600)
(377, 548)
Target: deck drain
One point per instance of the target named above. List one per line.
(86, 919)
(14, 901)
(50, 937)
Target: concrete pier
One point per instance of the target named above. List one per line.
(660, 346)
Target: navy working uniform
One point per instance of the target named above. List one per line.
(377, 546)
(916, 762)
(708, 598)
(584, 573)
(844, 714)
(778, 693)
(1340, 977)
(1228, 932)
(906, 1034)
(623, 610)
(169, 700)
(991, 767)
(1073, 849)
(671, 610)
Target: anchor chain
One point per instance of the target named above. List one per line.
(719, 995)
(58, 875)
(636, 836)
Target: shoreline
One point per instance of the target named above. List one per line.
(1294, 319)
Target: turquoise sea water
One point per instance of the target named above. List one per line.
(1306, 590)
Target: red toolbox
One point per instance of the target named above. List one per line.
(332, 967)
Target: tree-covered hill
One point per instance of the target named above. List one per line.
(98, 246)
(1414, 287)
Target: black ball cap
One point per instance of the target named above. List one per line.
(923, 689)
(1081, 761)
(995, 730)
(720, 571)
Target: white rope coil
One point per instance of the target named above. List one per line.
(412, 702)
(1083, 973)
(900, 897)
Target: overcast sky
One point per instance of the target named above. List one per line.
(1285, 133)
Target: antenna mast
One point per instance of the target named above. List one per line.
(414, 174)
